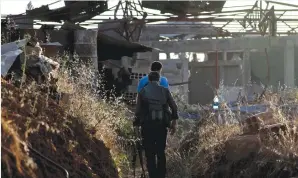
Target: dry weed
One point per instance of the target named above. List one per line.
(13, 151)
(201, 153)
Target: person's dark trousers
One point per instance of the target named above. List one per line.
(154, 143)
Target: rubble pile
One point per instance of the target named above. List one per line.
(36, 121)
(262, 147)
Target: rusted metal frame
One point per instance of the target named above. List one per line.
(253, 33)
(226, 24)
(124, 9)
(132, 32)
(243, 27)
(221, 28)
(116, 10)
(247, 15)
(282, 3)
(281, 15)
(263, 13)
(269, 16)
(133, 6)
(142, 25)
(212, 13)
(137, 25)
(286, 24)
(291, 28)
(273, 25)
(294, 29)
(129, 34)
(54, 2)
(154, 20)
(214, 19)
(120, 33)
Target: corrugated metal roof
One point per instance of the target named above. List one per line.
(9, 53)
(232, 12)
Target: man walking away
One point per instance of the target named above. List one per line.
(155, 67)
(153, 116)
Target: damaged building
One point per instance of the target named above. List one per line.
(198, 43)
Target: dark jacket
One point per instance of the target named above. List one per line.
(154, 91)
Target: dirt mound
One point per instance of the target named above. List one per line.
(256, 149)
(36, 120)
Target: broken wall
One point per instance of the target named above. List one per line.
(259, 66)
(203, 80)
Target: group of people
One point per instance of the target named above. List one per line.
(156, 111)
(156, 114)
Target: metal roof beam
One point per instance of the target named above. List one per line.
(201, 29)
(239, 43)
(284, 4)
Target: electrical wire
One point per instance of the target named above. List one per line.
(40, 155)
(54, 2)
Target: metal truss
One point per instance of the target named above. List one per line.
(132, 26)
(261, 18)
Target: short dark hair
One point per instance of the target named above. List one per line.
(153, 76)
(156, 66)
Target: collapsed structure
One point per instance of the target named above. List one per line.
(235, 61)
(211, 60)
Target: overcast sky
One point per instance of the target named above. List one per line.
(19, 6)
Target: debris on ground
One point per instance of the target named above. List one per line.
(262, 146)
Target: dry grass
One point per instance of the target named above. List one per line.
(196, 150)
(199, 149)
(202, 152)
(69, 134)
(107, 119)
(13, 151)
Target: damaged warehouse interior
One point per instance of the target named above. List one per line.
(231, 50)
(212, 28)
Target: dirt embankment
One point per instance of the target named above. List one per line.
(36, 120)
(250, 150)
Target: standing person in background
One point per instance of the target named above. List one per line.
(155, 67)
(154, 117)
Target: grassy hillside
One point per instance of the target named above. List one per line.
(92, 137)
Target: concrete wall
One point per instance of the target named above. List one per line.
(176, 71)
(256, 69)
(296, 65)
(281, 54)
(259, 66)
(203, 81)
